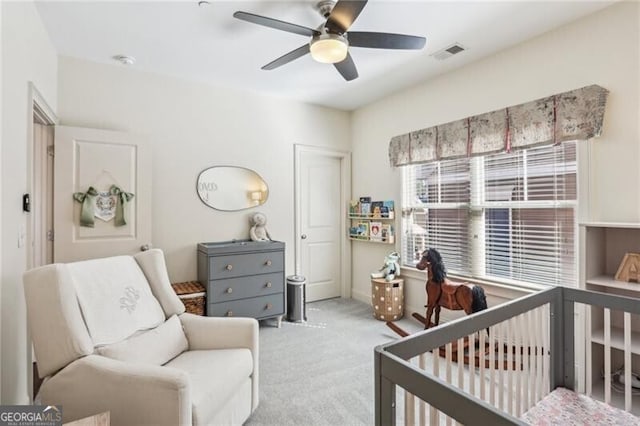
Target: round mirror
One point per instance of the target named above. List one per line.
(230, 188)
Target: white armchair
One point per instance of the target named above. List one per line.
(111, 335)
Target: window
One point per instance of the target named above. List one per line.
(503, 217)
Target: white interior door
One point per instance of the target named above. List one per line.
(100, 159)
(321, 185)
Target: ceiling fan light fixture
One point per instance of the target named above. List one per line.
(329, 48)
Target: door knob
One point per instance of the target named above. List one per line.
(303, 236)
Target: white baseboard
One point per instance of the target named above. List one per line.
(361, 296)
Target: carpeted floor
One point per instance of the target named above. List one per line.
(321, 372)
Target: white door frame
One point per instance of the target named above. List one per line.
(36, 104)
(345, 190)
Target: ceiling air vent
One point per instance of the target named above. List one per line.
(448, 52)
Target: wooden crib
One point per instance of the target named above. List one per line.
(516, 373)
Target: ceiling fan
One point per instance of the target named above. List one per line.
(330, 42)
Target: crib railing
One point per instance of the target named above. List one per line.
(528, 351)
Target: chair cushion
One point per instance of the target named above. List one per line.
(156, 346)
(215, 375)
(115, 298)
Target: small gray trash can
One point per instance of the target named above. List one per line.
(296, 298)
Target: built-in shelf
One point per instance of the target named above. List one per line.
(603, 247)
(617, 339)
(609, 281)
(617, 398)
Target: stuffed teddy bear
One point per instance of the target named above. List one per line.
(258, 231)
(391, 268)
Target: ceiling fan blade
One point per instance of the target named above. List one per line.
(275, 23)
(286, 58)
(343, 14)
(347, 68)
(385, 40)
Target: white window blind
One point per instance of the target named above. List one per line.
(436, 212)
(508, 216)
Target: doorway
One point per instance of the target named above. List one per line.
(41, 222)
(40, 152)
(322, 191)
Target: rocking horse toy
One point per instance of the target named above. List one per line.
(452, 295)
(443, 292)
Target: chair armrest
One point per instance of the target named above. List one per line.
(220, 333)
(134, 393)
(225, 333)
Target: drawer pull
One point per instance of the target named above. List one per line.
(229, 267)
(268, 263)
(268, 285)
(229, 313)
(229, 290)
(269, 306)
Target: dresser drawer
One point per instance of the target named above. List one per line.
(244, 287)
(221, 267)
(257, 307)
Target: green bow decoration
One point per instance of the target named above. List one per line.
(123, 198)
(88, 201)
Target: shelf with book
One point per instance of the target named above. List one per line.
(372, 221)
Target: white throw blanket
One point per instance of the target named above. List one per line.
(115, 298)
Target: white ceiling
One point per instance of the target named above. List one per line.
(208, 44)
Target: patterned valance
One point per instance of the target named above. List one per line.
(573, 115)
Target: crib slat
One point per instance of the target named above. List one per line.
(510, 370)
(460, 364)
(448, 354)
(526, 362)
(422, 406)
(472, 365)
(546, 339)
(492, 365)
(501, 341)
(409, 406)
(533, 359)
(627, 361)
(607, 355)
(520, 331)
(482, 359)
(539, 371)
(588, 354)
(434, 415)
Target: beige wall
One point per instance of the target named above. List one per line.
(193, 126)
(27, 56)
(602, 49)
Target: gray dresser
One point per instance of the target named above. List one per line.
(243, 278)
